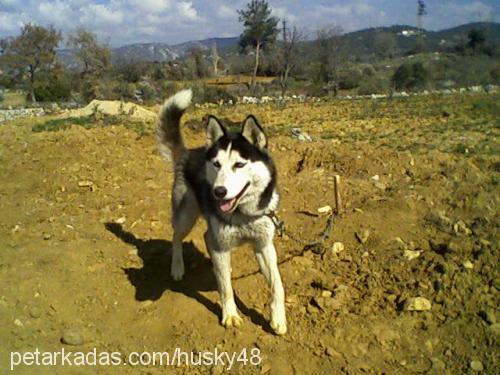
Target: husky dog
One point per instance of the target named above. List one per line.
(232, 183)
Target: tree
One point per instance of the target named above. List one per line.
(93, 57)
(385, 44)
(290, 54)
(410, 76)
(260, 29)
(328, 45)
(214, 56)
(477, 39)
(200, 69)
(31, 52)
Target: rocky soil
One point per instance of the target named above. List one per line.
(407, 283)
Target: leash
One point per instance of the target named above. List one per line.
(282, 230)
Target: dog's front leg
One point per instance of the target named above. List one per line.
(221, 260)
(268, 262)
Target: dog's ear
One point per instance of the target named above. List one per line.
(253, 132)
(215, 130)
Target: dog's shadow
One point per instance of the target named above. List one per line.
(153, 279)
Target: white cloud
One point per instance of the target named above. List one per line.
(155, 6)
(478, 9)
(57, 10)
(186, 10)
(225, 11)
(175, 21)
(283, 13)
(101, 14)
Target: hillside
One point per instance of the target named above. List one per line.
(358, 43)
(153, 52)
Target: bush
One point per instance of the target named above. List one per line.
(495, 75)
(410, 76)
(124, 91)
(372, 85)
(53, 90)
(211, 94)
(148, 92)
(350, 80)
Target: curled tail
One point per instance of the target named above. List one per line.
(170, 143)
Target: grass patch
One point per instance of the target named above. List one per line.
(89, 122)
(13, 99)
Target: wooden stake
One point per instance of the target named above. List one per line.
(338, 199)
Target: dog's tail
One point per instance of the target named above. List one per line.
(170, 143)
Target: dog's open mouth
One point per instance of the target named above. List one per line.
(228, 205)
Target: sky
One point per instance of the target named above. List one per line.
(120, 22)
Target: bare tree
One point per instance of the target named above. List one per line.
(31, 52)
(290, 54)
(214, 56)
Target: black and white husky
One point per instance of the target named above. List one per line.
(232, 183)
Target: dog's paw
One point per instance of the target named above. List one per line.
(232, 321)
(177, 271)
(278, 327)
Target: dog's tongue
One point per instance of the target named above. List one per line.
(226, 206)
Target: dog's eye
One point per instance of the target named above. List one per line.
(216, 164)
(239, 165)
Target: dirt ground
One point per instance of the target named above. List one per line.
(85, 240)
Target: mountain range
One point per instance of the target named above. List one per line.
(360, 43)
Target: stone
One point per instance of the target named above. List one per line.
(461, 228)
(325, 209)
(380, 185)
(488, 316)
(363, 236)
(495, 328)
(439, 219)
(303, 261)
(476, 366)
(411, 254)
(311, 309)
(338, 247)
(437, 365)
(85, 183)
(326, 294)
(468, 265)
(417, 304)
(72, 337)
(35, 312)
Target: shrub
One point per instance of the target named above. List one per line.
(350, 80)
(410, 76)
(495, 74)
(372, 85)
(53, 90)
(125, 90)
(148, 92)
(211, 94)
(168, 88)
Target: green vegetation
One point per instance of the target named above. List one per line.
(410, 76)
(94, 121)
(268, 61)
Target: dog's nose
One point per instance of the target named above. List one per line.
(220, 192)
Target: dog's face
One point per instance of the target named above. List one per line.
(236, 164)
